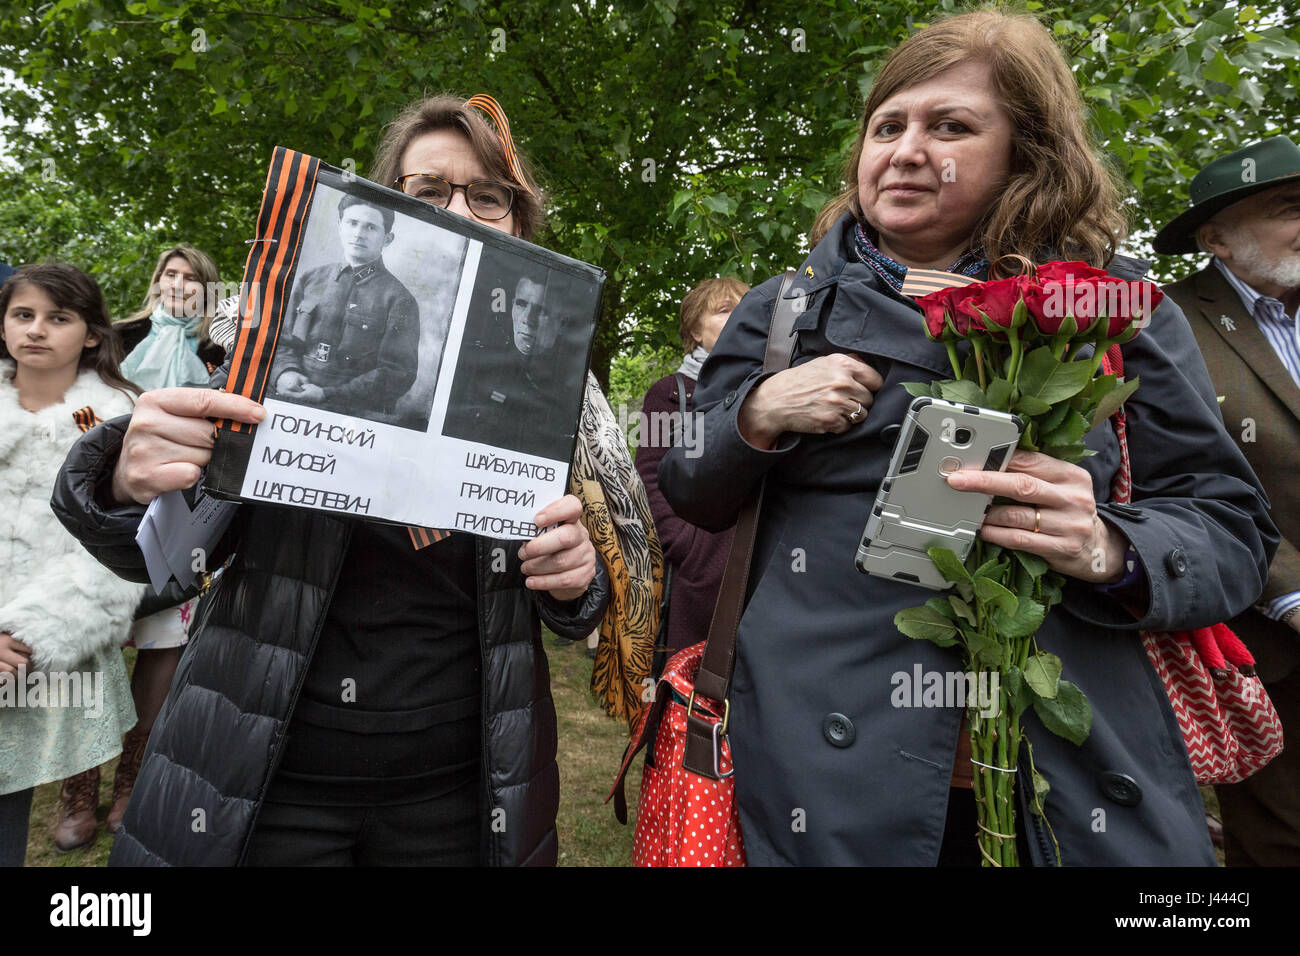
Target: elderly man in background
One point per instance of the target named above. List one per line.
(1244, 308)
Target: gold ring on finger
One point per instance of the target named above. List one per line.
(1038, 521)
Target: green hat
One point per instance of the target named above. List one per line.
(1227, 180)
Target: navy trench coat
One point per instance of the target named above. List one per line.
(829, 770)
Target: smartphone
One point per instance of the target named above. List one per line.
(916, 508)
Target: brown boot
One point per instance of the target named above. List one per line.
(78, 801)
(124, 779)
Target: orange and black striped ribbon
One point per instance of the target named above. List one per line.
(86, 418)
(497, 115)
(919, 282)
(270, 267)
(423, 537)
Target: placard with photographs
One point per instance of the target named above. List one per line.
(417, 367)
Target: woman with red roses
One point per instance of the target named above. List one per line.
(972, 149)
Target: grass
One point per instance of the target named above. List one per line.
(591, 748)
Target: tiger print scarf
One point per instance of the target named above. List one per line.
(616, 513)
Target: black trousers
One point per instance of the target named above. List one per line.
(442, 831)
(15, 810)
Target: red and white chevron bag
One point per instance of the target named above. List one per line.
(1229, 725)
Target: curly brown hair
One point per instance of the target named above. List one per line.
(1060, 199)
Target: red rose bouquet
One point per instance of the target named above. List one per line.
(1036, 343)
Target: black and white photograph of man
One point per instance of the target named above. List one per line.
(518, 378)
(356, 339)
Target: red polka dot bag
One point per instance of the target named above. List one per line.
(687, 814)
(683, 818)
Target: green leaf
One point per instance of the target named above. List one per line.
(926, 624)
(1022, 621)
(1069, 715)
(1069, 431)
(1032, 405)
(989, 591)
(719, 203)
(917, 389)
(941, 605)
(1111, 401)
(963, 392)
(1018, 694)
(1051, 589)
(987, 569)
(1044, 377)
(1043, 674)
(964, 610)
(948, 565)
(998, 394)
(1032, 563)
(1041, 789)
(1022, 582)
(1070, 453)
(986, 651)
(1055, 418)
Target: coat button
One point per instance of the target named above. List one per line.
(1121, 788)
(889, 434)
(729, 400)
(1176, 562)
(1129, 511)
(364, 327)
(839, 730)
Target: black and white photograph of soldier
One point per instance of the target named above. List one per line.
(367, 319)
(520, 372)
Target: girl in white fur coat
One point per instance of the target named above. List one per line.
(64, 696)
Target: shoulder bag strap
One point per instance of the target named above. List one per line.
(714, 676)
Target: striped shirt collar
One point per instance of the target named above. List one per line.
(1246, 293)
(1282, 332)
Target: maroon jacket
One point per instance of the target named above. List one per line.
(698, 557)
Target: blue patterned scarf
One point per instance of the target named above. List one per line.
(893, 273)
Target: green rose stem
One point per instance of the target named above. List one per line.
(951, 346)
(978, 345)
(1017, 352)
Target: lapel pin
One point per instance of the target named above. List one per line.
(808, 271)
(1227, 323)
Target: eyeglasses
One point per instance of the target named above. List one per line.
(487, 199)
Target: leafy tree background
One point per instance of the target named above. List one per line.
(676, 139)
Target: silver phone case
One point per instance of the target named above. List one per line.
(916, 508)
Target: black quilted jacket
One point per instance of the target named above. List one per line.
(219, 736)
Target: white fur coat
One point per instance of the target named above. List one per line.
(54, 596)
